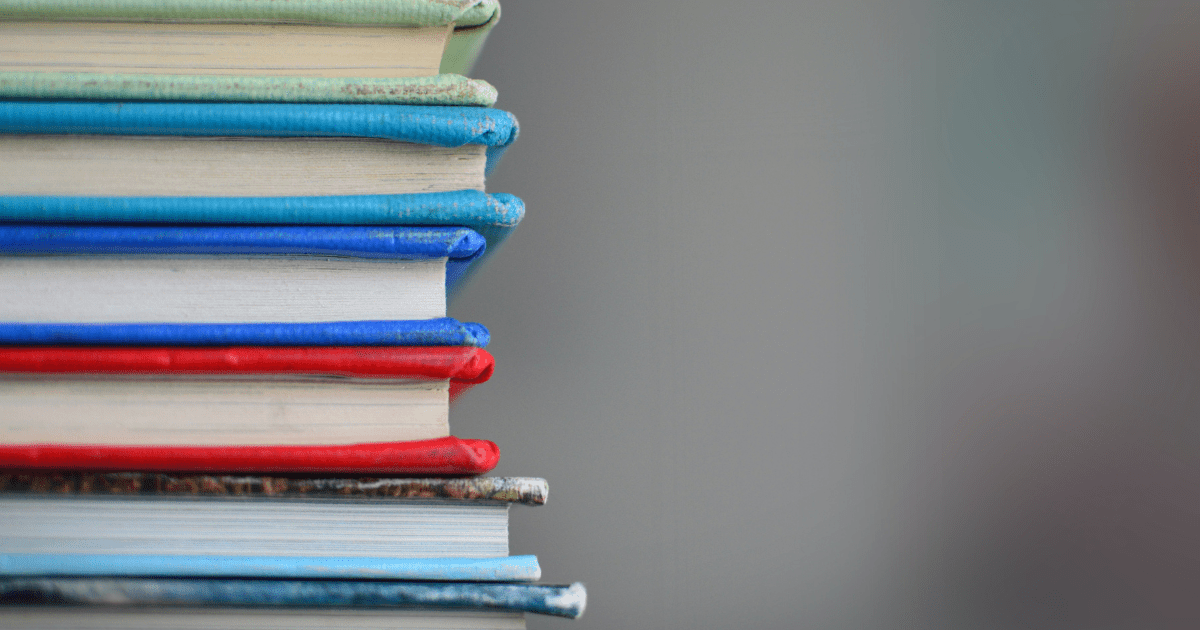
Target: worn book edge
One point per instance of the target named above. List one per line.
(563, 600)
(377, 12)
(437, 457)
(442, 89)
(519, 490)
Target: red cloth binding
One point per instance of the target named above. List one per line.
(461, 364)
(443, 456)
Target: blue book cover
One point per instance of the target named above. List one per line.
(507, 569)
(548, 599)
(430, 332)
(493, 216)
(440, 126)
(459, 246)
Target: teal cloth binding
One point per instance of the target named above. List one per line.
(492, 215)
(439, 126)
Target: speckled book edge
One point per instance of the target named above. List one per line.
(522, 490)
(547, 599)
(442, 89)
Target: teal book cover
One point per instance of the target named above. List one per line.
(492, 129)
(492, 215)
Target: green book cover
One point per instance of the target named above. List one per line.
(472, 21)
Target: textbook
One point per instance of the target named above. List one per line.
(384, 51)
(140, 524)
(118, 595)
(104, 149)
(242, 401)
(87, 274)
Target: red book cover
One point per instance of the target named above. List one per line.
(462, 366)
(443, 456)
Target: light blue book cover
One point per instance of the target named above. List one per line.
(507, 569)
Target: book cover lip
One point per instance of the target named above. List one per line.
(446, 126)
(374, 242)
(503, 569)
(443, 331)
(448, 456)
(460, 208)
(551, 599)
(531, 491)
(400, 13)
(444, 90)
(461, 364)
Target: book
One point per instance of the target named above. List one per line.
(140, 524)
(248, 397)
(82, 274)
(384, 51)
(492, 215)
(98, 594)
(104, 149)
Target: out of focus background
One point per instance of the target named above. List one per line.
(851, 314)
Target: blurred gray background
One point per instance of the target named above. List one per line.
(851, 314)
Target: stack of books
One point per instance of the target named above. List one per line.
(228, 233)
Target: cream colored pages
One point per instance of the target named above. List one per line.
(195, 411)
(219, 289)
(171, 166)
(290, 50)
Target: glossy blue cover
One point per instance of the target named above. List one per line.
(441, 126)
(547, 599)
(431, 332)
(508, 569)
(461, 246)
